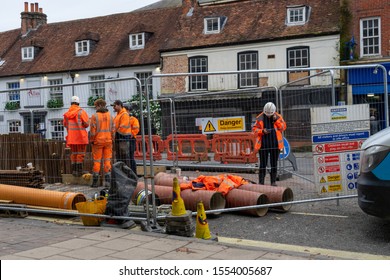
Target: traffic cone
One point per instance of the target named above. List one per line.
(202, 227)
(178, 207)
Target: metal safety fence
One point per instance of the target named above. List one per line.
(199, 129)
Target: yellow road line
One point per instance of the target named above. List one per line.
(301, 249)
(320, 215)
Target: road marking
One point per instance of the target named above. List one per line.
(301, 249)
(315, 214)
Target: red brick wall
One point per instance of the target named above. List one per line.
(371, 8)
(174, 64)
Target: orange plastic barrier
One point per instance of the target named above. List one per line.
(158, 147)
(188, 147)
(236, 147)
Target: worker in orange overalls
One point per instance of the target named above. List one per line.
(134, 127)
(76, 121)
(122, 133)
(268, 128)
(101, 135)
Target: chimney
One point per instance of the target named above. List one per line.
(188, 6)
(32, 19)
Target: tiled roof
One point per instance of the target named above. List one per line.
(254, 21)
(170, 29)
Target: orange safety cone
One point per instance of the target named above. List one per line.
(202, 227)
(178, 208)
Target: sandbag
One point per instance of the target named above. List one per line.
(123, 184)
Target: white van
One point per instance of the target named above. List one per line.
(373, 183)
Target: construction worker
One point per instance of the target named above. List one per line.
(268, 127)
(76, 121)
(122, 133)
(134, 127)
(101, 135)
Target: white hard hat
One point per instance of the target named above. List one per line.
(75, 99)
(269, 109)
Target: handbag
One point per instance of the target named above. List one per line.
(96, 206)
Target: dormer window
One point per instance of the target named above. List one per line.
(297, 15)
(28, 53)
(82, 47)
(137, 41)
(214, 25)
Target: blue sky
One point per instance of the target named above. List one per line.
(57, 10)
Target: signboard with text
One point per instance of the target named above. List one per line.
(338, 133)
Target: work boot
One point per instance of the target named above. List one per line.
(273, 180)
(107, 180)
(261, 178)
(95, 178)
(74, 169)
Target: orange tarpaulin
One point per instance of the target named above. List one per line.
(221, 183)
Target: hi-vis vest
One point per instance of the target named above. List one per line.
(122, 123)
(258, 128)
(102, 128)
(76, 122)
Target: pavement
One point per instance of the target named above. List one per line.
(52, 238)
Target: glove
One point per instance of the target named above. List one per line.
(87, 176)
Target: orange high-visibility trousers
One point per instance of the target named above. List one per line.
(78, 152)
(102, 152)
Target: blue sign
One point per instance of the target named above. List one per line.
(340, 137)
(286, 151)
(351, 186)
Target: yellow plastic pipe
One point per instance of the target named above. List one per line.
(39, 197)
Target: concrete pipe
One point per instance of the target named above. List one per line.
(39, 197)
(274, 194)
(212, 200)
(163, 194)
(239, 198)
(166, 179)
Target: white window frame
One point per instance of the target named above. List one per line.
(198, 64)
(142, 76)
(248, 60)
(56, 129)
(97, 89)
(296, 15)
(82, 48)
(14, 92)
(210, 24)
(137, 41)
(56, 91)
(14, 126)
(27, 53)
(366, 40)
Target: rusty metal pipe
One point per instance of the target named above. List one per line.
(212, 200)
(163, 193)
(274, 194)
(240, 198)
(166, 179)
(39, 197)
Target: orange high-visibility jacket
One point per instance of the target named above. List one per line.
(134, 125)
(258, 127)
(122, 123)
(76, 121)
(102, 128)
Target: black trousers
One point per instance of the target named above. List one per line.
(273, 154)
(133, 164)
(122, 151)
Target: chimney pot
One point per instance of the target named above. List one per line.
(37, 7)
(32, 7)
(26, 6)
(41, 10)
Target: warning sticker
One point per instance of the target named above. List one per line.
(209, 127)
(335, 188)
(334, 178)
